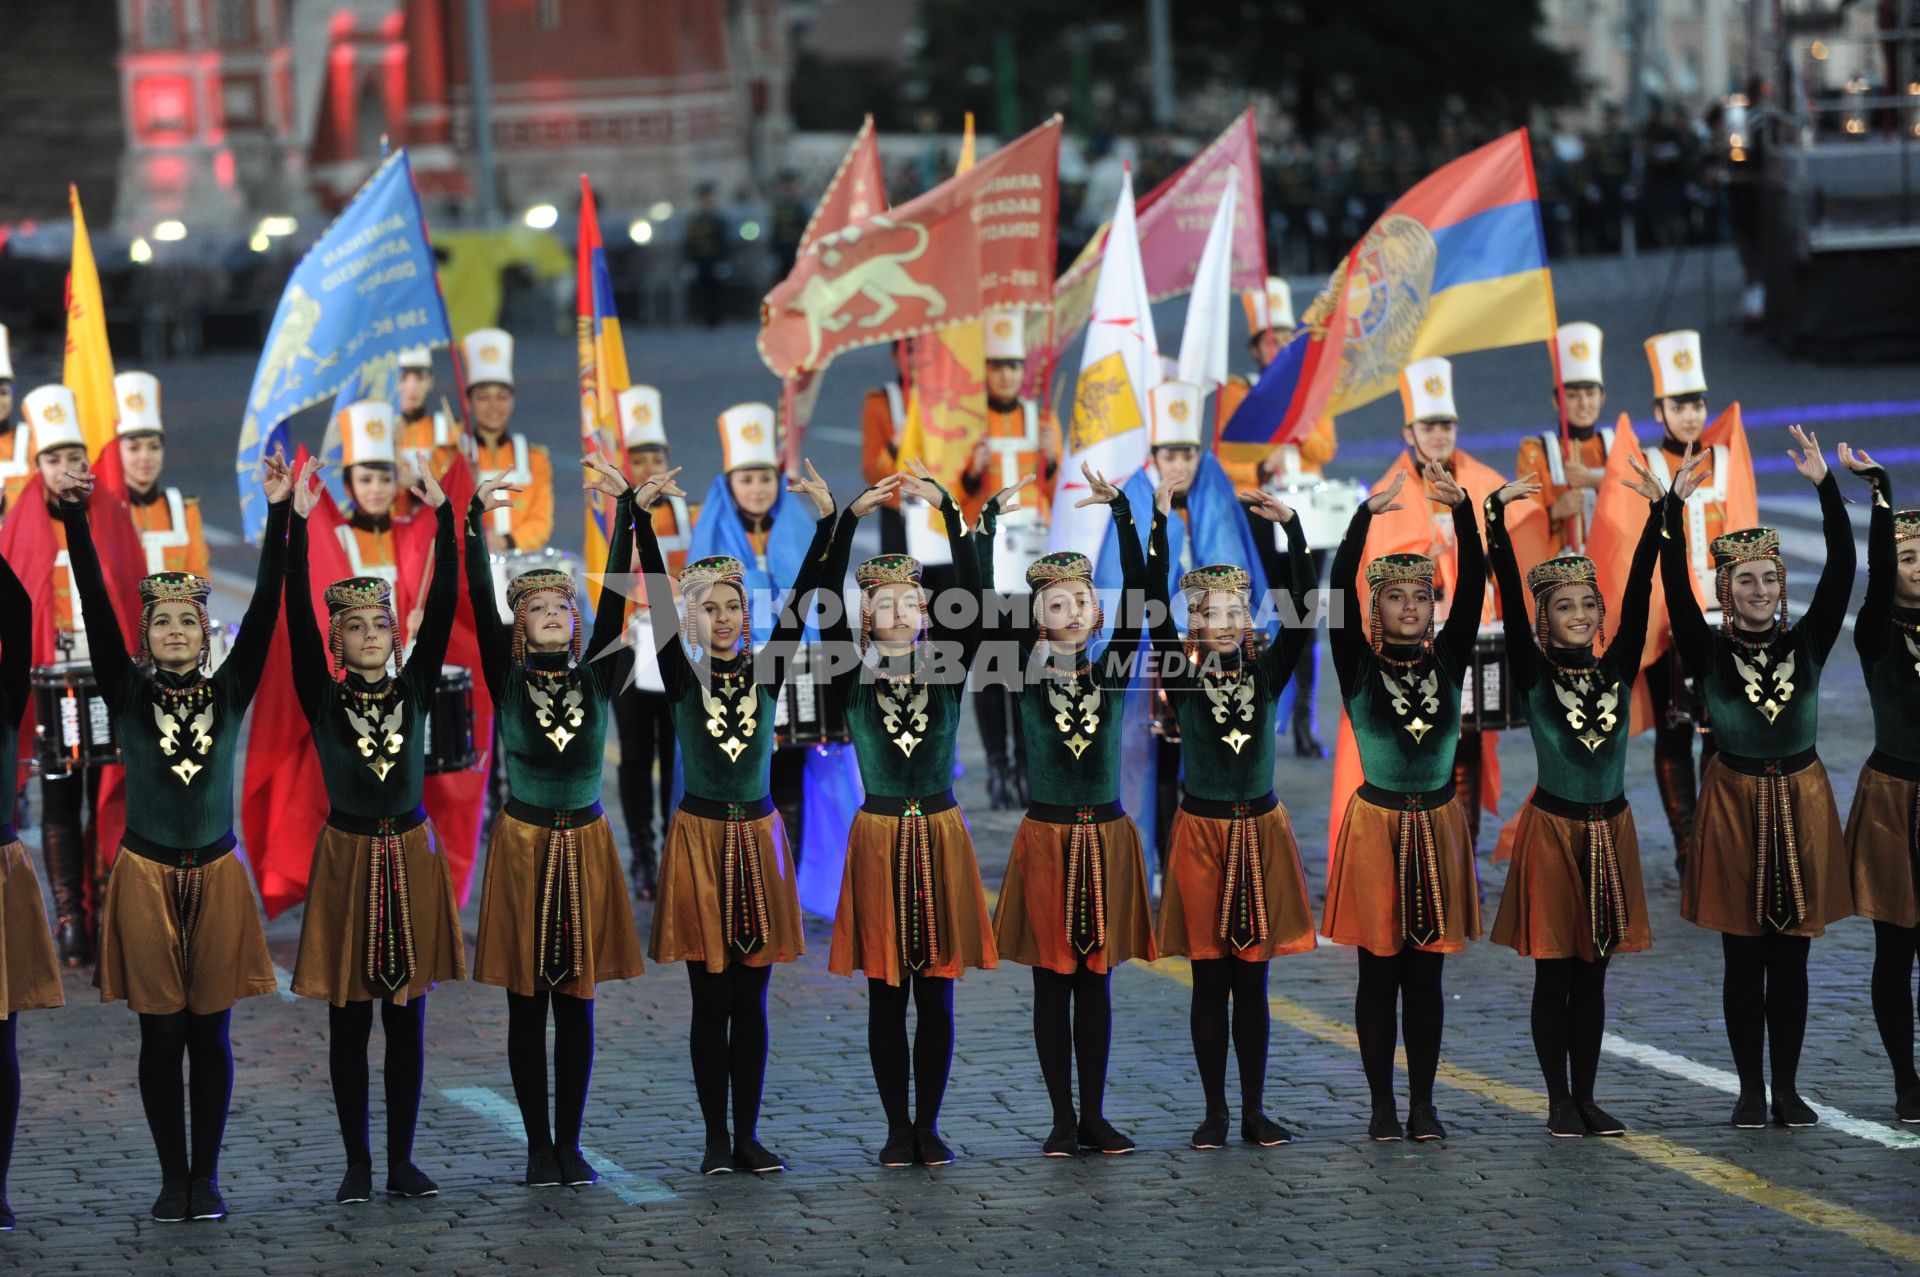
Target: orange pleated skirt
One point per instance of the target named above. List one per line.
(1191, 902)
(1543, 909)
(504, 948)
(689, 923)
(1363, 898)
(866, 931)
(332, 963)
(1030, 925)
(147, 958)
(1717, 891)
(1880, 834)
(29, 974)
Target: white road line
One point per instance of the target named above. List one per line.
(633, 1189)
(1720, 1080)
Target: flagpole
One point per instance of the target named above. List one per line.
(1577, 539)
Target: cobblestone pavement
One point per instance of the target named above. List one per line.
(1684, 1193)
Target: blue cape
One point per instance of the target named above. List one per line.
(718, 530)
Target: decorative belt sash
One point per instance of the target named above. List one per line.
(560, 942)
(1779, 891)
(1605, 892)
(915, 912)
(189, 890)
(178, 857)
(743, 883)
(391, 958)
(1243, 887)
(1086, 904)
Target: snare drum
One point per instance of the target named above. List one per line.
(1489, 701)
(512, 563)
(1325, 508)
(1015, 548)
(803, 713)
(73, 726)
(449, 726)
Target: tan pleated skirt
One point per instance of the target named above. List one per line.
(1030, 924)
(1543, 908)
(1363, 898)
(1717, 891)
(1196, 878)
(1880, 834)
(866, 933)
(688, 912)
(29, 975)
(505, 946)
(148, 961)
(332, 964)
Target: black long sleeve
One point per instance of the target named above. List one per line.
(436, 618)
(16, 645)
(494, 639)
(1523, 649)
(1345, 635)
(1691, 637)
(1277, 662)
(1630, 631)
(609, 661)
(239, 675)
(1872, 628)
(836, 629)
(791, 626)
(1116, 663)
(1165, 634)
(967, 577)
(1454, 645)
(676, 669)
(308, 653)
(1827, 614)
(106, 647)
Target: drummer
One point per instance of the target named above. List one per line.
(527, 523)
(1022, 438)
(16, 454)
(1205, 529)
(1569, 471)
(642, 715)
(883, 425)
(421, 429)
(1724, 501)
(371, 534)
(1270, 325)
(169, 521)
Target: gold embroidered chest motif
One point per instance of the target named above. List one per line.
(377, 734)
(559, 704)
(902, 718)
(1591, 704)
(1076, 710)
(1418, 685)
(1768, 679)
(732, 715)
(185, 719)
(1230, 698)
(1913, 650)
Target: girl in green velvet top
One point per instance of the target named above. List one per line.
(1073, 903)
(1573, 897)
(180, 935)
(727, 906)
(1768, 868)
(1235, 895)
(554, 918)
(1883, 829)
(381, 923)
(912, 913)
(1401, 884)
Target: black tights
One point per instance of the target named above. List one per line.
(1569, 1015)
(572, 1065)
(1215, 981)
(1894, 949)
(1073, 1015)
(348, 1030)
(932, 1057)
(1412, 978)
(203, 1040)
(728, 1040)
(9, 1093)
(1765, 996)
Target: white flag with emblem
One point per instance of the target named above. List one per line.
(1203, 341)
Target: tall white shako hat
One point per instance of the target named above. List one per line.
(54, 416)
(746, 437)
(1426, 391)
(1006, 334)
(489, 356)
(420, 358)
(366, 433)
(1175, 408)
(6, 356)
(1676, 363)
(1579, 345)
(641, 424)
(138, 394)
(1269, 307)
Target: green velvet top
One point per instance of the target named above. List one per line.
(903, 712)
(179, 733)
(551, 714)
(370, 737)
(1762, 689)
(1224, 705)
(16, 672)
(723, 708)
(1577, 705)
(1404, 699)
(1888, 638)
(1070, 716)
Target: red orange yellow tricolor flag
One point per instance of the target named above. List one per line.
(89, 367)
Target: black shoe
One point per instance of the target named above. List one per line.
(543, 1168)
(356, 1185)
(1264, 1131)
(1908, 1106)
(1563, 1121)
(1061, 1141)
(1385, 1126)
(407, 1180)
(204, 1200)
(898, 1150)
(1097, 1133)
(171, 1206)
(933, 1150)
(719, 1159)
(752, 1155)
(1598, 1121)
(1791, 1110)
(575, 1170)
(1750, 1112)
(1211, 1133)
(1423, 1124)
(1305, 743)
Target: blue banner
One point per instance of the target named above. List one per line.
(361, 294)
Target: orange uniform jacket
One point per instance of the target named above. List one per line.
(16, 463)
(528, 522)
(1535, 461)
(170, 532)
(1241, 462)
(1018, 443)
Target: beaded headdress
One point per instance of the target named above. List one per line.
(1729, 551)
(522, 588)
(701, 575)
(1906, 525)
(1224, 578)
(888, 569)
(175, 587)
(1567, 569)
(1392, 569)
(348, 596)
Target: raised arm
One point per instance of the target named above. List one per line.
(1872, 628)
(16, 645)
(1277, 662)
(1523, 648)
(436, 619)
(1116, 663)
(836, 628)
(609, 659)
(792, 623)
(493, 638)
(309, 654)
(239, 674)
(1691, 637)
(676, 671)
(107, 648)
(1630, 631)
(1454, 646)
(1828, 611)
(1345, 621)
(967, 577)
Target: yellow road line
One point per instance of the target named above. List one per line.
(1713, 1172)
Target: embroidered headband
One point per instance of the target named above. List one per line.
(1567, 569)
(1744, 546)
(175, 587)
(1217, 576)
(1389, 568)
(1906, 525)
(888, 569)
(359, 591)
(712, 570)
(536, 580)
(1061, 565)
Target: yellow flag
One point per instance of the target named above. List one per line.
(89, 367)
